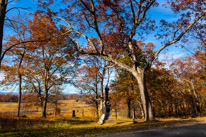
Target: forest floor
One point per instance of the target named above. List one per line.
(62, 127)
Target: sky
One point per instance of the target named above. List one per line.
(157, 13)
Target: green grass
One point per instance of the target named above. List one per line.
(80, 127)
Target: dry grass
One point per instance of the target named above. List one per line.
(82, 127)
(8, 106)
(66, 106)
(64, 125)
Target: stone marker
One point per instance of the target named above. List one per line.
(106, 107)
(73, 114)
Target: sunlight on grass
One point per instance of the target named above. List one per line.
(64, 125)
(89, 127)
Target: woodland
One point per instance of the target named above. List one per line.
(97, 46)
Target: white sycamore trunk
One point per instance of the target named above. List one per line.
(147, 106)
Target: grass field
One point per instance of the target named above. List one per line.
(64, 125)
(81, 127)
(67, 106)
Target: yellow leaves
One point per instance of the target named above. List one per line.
(185, 91)
(130, 81)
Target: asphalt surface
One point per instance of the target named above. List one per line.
(197, 130)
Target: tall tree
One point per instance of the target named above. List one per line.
(115, 25)
(89, 81)
(126, 88)
(162, 90)
(16, 56)
(12, 73)
(53, 61)
(3, 6)
(20, 82)
(125, 85)
(56, 95)
(185, 71)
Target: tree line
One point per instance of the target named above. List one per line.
(172, 95)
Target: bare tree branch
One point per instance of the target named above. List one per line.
(23, 42)
(77, 32)
(180, 36)
(132, 8)
(109, 58)
(16, 8)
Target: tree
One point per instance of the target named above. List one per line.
(89, 80)
(200, 57)
(34, 85)
(114, 25)
(12, 71)
(51, 63)
(194, 43)
(125, 86)
(3, 6)
(162, 90)
(3, 18)
(20, 83)
(56, 94)
(191, 9)
(185, 71)
(16, 54)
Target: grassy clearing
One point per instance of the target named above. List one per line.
(81, 127)
(66, 106)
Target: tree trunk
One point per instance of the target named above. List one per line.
(101, 106)
(97, 109)
(147, 106)
(134, 113)
(96, 98)
(55, 109)
(45, 99)
(141, 108)
(129, 108)
(102, 92)
(200, 101)
(19, 97)
(43, 114)
(40, 96)
(82, 112)
(195, 100)
(170, 109)
(3, 6)
(115, 105)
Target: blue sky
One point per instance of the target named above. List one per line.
(156, 13)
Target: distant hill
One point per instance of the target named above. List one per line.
(16, 93)
(13, 93)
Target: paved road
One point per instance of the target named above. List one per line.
(197, 130)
